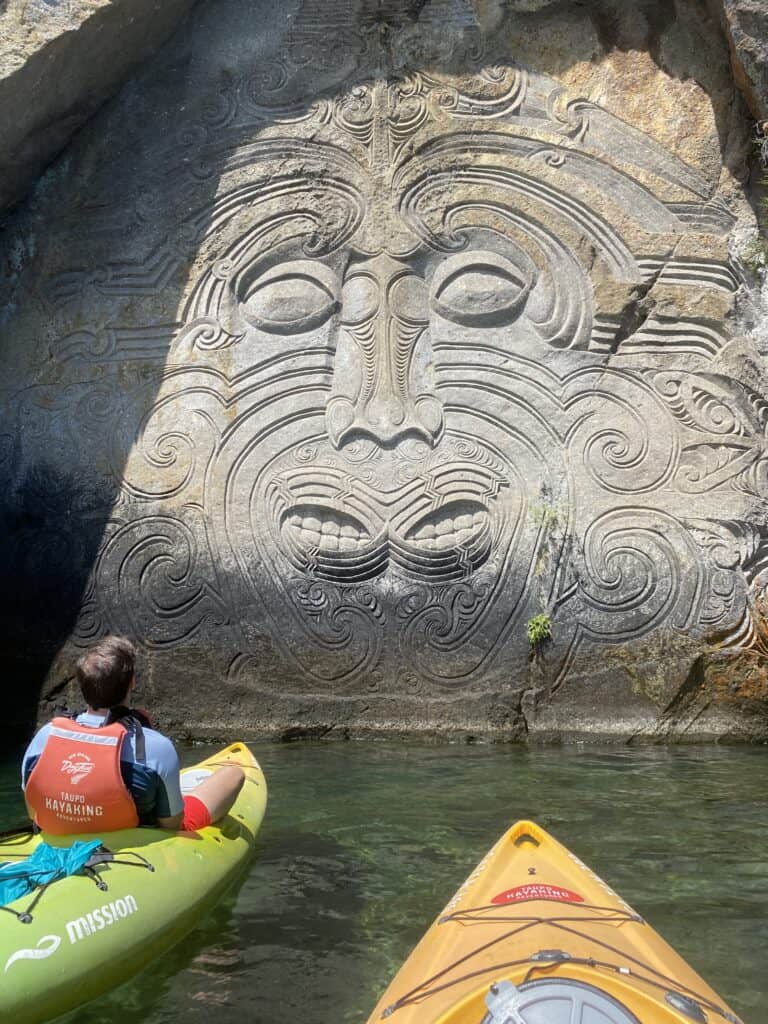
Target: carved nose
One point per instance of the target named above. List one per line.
(382, 385)
(380, 397)
(384, 417)
(384, 420)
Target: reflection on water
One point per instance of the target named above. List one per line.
(363, 844)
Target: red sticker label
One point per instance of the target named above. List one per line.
(537, 892)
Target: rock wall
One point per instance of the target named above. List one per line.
(354, 336)
(746, 26)
(59, 61)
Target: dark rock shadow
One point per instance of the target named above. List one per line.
(76, 264)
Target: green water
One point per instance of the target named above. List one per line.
(364, 843)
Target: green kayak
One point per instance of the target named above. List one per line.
(65, 945)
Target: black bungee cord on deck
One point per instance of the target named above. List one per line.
(100, 856)
(21, 830)
(548, 960)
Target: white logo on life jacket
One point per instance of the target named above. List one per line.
(72, 807)
(46, 947)
(78, 766)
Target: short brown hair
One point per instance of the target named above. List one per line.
(106, 670)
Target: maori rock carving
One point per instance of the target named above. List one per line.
(400, 409)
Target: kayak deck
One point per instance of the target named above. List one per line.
(84, 935)
(533, 935)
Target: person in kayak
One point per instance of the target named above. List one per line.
(108, 769)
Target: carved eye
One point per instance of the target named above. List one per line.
(291, 298)
(479, 290)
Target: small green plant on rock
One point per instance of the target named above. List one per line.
(538, 629)
(549, 516)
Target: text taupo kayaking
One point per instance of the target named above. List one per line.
(69, 942)
(534, 937)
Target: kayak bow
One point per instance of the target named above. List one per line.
(534, 936)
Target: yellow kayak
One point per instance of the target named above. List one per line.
(65, 945)
(534, 937)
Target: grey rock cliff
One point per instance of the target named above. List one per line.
(746, 25)
(59, 61)
(351, 337)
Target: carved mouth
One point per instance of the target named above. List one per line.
(325, 530)
(447, 544)
(330, 545)
(450, 528)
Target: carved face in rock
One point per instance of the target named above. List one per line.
(392, 485)
(374, 488)
(406, 407)
(390, 402)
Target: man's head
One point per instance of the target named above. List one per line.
(105, 672)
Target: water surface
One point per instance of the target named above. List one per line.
(364, 843)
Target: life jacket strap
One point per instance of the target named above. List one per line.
(137, 719)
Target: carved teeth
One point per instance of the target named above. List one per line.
(329, 533)
(447, 532)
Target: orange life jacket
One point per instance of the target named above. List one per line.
(76, 785)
